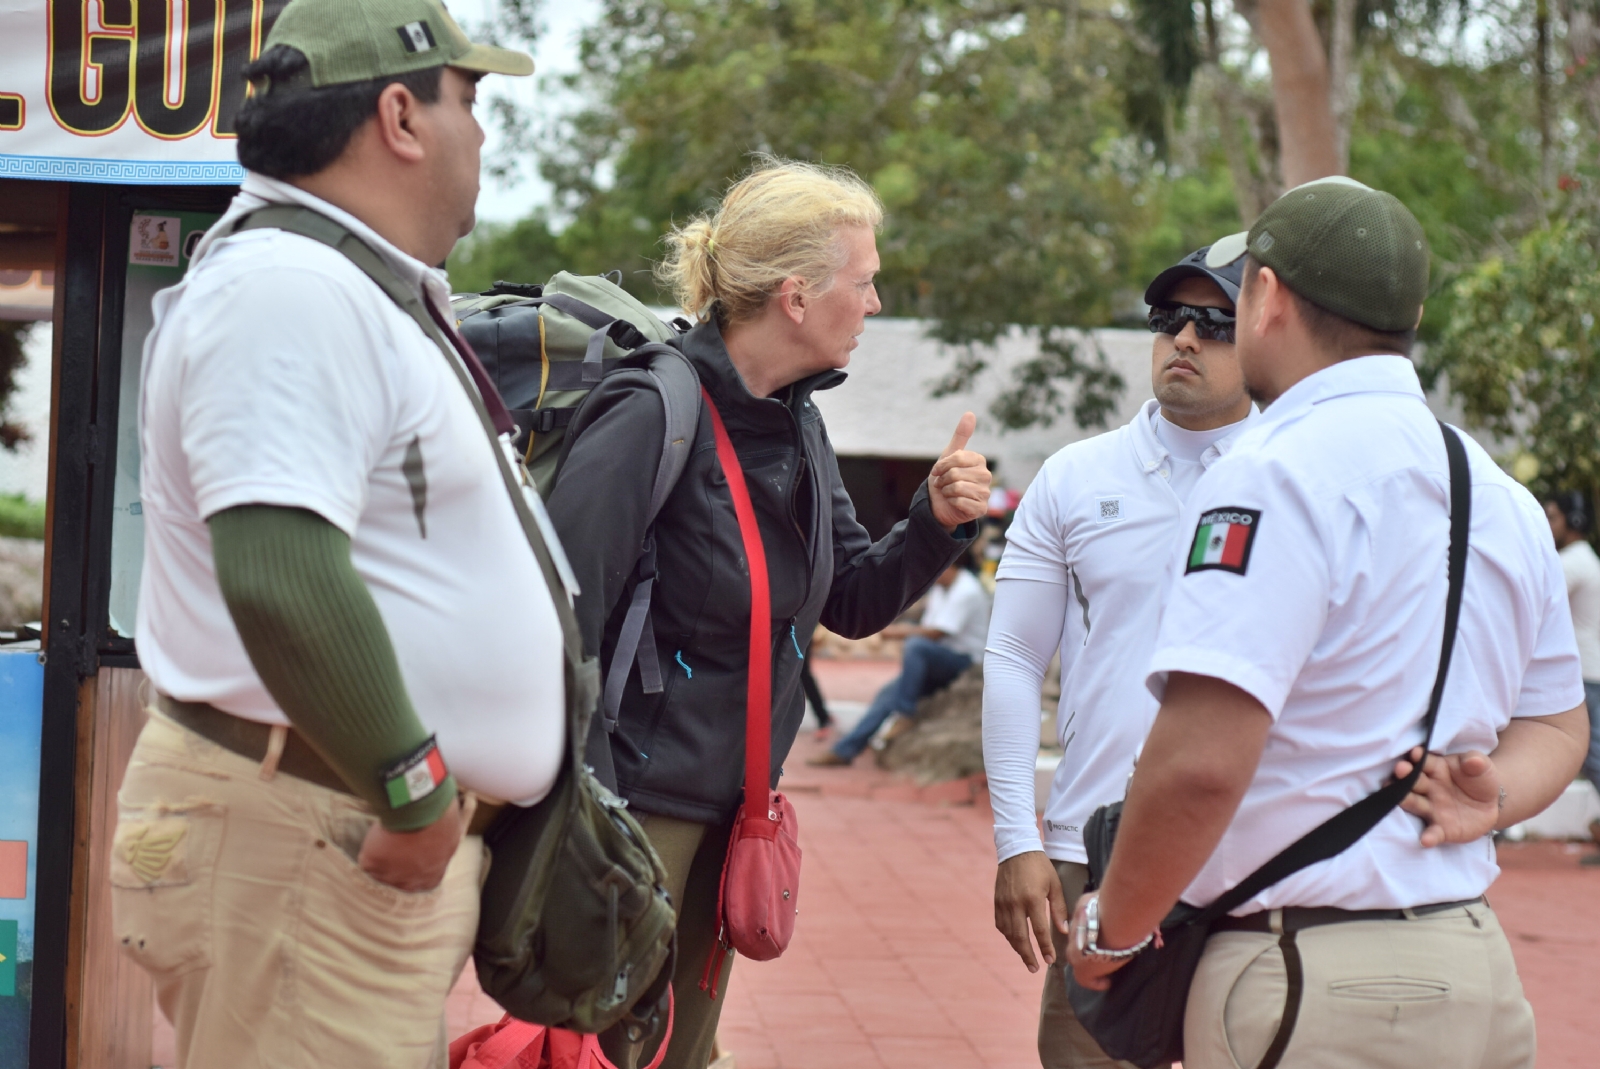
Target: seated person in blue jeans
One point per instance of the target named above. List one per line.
(946, 643)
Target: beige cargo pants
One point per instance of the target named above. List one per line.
(269, 947)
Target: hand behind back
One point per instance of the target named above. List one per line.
(1457, 796)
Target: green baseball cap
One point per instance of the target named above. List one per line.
(359, 40)
(1354, 250)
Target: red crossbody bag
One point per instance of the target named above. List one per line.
(760, 892)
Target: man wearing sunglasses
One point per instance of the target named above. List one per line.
(1083, 572)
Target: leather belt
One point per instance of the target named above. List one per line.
(1299, 918)
(249, 739)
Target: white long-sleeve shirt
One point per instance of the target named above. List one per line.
(1083, 572)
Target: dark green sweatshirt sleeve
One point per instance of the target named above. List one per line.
(318, 642)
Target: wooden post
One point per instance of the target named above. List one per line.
(110, 1000)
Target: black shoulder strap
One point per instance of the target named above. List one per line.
(1334, 835)
(318, 227)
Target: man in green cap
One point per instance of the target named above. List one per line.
(351, 644)
(1296, 661)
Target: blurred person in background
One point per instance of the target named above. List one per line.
(1571, 520)
(945, 643)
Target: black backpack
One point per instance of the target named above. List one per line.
(546, 347)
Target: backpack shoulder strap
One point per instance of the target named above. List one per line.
(679, 386)
(1340, 831)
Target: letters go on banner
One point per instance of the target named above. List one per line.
(131, 91)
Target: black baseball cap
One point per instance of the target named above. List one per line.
(1230, 276)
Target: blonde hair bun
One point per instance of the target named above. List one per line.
(779, 221)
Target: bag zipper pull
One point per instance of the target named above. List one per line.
(795, 639)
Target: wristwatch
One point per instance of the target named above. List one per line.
(1089, 937)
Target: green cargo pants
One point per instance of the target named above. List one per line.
(693, 855)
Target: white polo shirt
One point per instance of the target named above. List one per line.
(961, 611)
(277, 373)
(1097, 525)
(1582, 571)
(1313, 576)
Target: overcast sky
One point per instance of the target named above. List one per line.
(556, 54)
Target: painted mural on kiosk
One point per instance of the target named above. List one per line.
(125, 91)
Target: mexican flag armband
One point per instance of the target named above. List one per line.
(1223, 540)
(415, 776)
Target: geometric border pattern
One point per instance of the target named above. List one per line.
(123, 172)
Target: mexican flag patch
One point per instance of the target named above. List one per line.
(1223, 540)
(415, 777)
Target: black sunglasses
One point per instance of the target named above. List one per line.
(1210, 323)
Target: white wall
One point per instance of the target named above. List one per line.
(886, 408)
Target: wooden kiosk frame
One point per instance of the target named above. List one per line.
(91, 1007)
(108, 111)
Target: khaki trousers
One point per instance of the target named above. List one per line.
(1063, 1042)
(1439, 990)
(269, 947)
(693, 855)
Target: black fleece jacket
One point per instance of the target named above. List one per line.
(680, 753)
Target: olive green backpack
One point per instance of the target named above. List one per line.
(546, 346)
(575, 927)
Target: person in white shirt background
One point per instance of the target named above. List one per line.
(947, 641)
(1570, 522)
(1084, 567)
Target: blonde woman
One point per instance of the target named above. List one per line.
(780, 278)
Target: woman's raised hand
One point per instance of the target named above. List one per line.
(958, 488)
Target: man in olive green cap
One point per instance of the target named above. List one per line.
(1298, 656)
(345, 627)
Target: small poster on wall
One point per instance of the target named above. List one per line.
(21, 715)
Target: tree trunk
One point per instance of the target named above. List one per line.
(1541, 75)
(1344, 78)
(1309, 136)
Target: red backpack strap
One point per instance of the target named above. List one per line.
(758, 698)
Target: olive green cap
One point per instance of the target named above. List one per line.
(359, 40)
(1354, 250)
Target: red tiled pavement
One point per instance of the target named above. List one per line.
(1550, 909)
(895, 961)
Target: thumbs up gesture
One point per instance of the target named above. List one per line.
(958, 488)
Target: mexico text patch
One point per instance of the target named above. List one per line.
(1223, 540)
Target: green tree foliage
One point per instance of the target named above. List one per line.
(1042, 159)
(995, 133)
(1522, 351)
